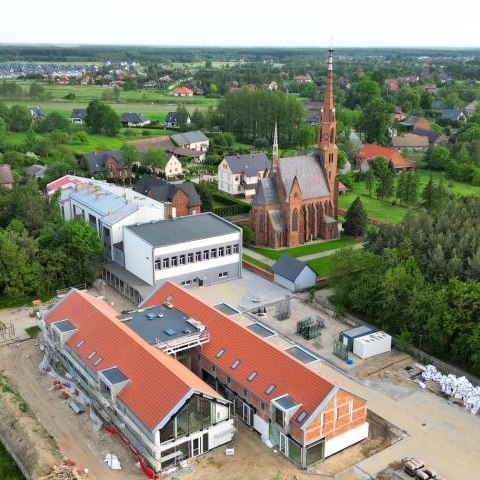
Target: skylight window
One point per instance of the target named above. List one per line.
(252, 376)
(220, 353)
(91, 355)
(270, 389)
(98, 361)
(236, 363)
(80, 343)
(302, 416)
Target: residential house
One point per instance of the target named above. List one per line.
(160, 408)
(453, 115)
(272, 86)
(35, 171)
(171, 120)
(293, 274)
(434, 138)
(150, 84)
(391, 84)
(195, 140)
(6, 176)
(87, 80)
(411, 123)
(306, 78)
(79, 115)
(37, 113)
(166, 78)
(312, 109)
(398, 115)
(108, 163)
(471, 109)
(105, 207)
(239, 174)
(198, 91)
(173, 167)
(194, 251)
(130, 119)
(182, 92)
(278, 393)
(411, 141)
(183, 196)
(431, 88)
(342, 188)
(369, 152)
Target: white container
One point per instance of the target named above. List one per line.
(372, 344)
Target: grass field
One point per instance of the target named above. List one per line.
(309, 249)
(321, 265)
(8, 468)
(256, 262)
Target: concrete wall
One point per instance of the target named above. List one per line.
(346, 439)
(138, 256)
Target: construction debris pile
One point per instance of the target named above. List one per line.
(65, 471)
(457, 387)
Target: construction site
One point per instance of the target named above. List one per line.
(407, 420)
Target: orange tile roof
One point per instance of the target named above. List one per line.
(183, 91)
(273, 365)
(158, 381)
(370, 151)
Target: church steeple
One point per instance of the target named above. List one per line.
(327, 127)
(275, 150)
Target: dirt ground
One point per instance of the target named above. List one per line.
(74, 434)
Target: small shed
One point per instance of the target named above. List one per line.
(372, 344)
(347, 337)
(293, 274)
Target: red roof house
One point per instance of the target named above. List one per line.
(371, 151)
(182, 92)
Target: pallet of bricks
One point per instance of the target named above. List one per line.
(415, 467)
(310, 328)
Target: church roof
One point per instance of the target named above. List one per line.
(266, 192)
(309, 173)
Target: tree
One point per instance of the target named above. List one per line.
(355, 219)
(36, 90)
(53, 121)
(248, 235)
(3, 130)
(375, 121)
(204, 190)
(101, 118)
(182, 117)
(19, 118)
(385, 186)
(438, 158)
(305, 136)
(362, 92)
(154, 159)
(369, 181)
(130, 154)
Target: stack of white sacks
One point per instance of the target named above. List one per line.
(452, 386)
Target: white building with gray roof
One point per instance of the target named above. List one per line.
(293, 274)
(192, 251)
(239, 174)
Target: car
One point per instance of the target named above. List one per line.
(77, 409)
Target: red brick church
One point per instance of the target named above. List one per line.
(298, 201)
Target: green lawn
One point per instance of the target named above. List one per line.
(321, 265)
(308, 249)
(458, 188)
(256, 262)
(377, 209)
(8, 468)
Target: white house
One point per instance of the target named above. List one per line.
(171, 120)
(195, 140)
(130, 119)
(293, 274)
(173, 167)
(106, 207)
(195, 250)
(239, 174)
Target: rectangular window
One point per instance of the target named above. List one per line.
(228, 380)
(190, 258)
(235, 364)
(262, 406)
(221, 251)
(198, 256)
(223, 274)
(158, 263)
(174, 261)
(228, 250)
(165, 263)
(182, 260)
(279, 417)
(213, 253)
(206, 254)
(235, 248)
(186, 283)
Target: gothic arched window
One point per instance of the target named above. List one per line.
(332, 136)
(261, 222)
(295, 220)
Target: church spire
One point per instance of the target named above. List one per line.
(275, 150)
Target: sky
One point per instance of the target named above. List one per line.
(351, 23)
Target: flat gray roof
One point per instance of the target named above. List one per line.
(260, 330)
(301, 354)
(355, 332)
(114, 375)
(158, 323)
(183, 229)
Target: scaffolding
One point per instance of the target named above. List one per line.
(340, 350)
(310, 328)
(283, 310)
